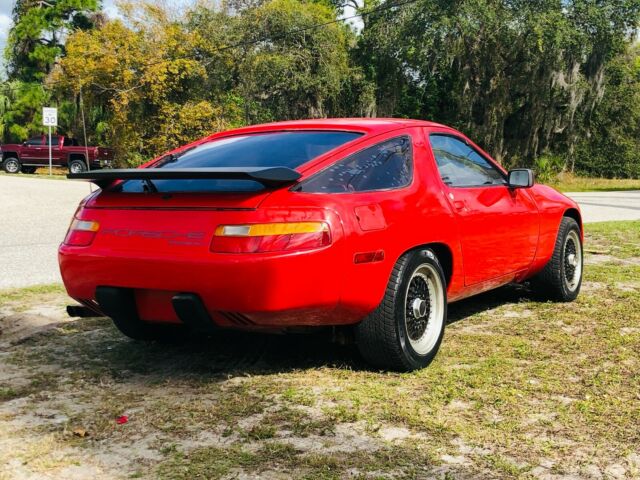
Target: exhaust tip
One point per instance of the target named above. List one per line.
(80, 311)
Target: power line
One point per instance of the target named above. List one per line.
(265, 38)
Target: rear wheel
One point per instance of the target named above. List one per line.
(11, 165)
(561, 278)
(405, 331)
(139, 330)
(77, 166)
(119, 304)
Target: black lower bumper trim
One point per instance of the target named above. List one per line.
(117, 303)
(192, 312)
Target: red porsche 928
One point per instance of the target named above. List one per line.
(370, 224)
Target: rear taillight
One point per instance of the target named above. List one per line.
(270, 237)
(81, 232)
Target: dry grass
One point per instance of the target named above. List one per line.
(520, 389)
(567, 182)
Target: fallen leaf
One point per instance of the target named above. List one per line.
(80, 432)
(122, 419)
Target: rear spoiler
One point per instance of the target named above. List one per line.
(268, 176)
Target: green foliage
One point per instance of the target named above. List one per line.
(549, 84)
(613, 147)
(521, 77)
(35, 42)
(547, 167)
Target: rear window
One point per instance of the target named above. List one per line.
(277, 149)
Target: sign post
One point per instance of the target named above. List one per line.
(50, 119)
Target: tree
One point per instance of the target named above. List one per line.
(520, 76)
(147, 73)
(35, 42)
(167, 81)
(36, 39)
(613, 147)
(292, 69)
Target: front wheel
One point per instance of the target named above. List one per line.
(11, 165)
(561, 278)
(405, 331)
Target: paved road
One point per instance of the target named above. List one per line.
(605, 206)
(34, 216)
(35, 213)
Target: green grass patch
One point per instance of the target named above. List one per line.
(572, 183)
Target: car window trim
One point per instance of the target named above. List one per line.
(466, 142)
(390, 189)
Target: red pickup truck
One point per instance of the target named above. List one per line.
(65, 152)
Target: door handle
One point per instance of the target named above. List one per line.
(458, 205)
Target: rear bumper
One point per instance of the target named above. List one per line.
(255, 290)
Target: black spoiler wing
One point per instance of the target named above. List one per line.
(268, 176)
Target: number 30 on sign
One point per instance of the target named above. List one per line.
(49, 116)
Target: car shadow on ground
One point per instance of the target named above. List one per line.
(234, 352)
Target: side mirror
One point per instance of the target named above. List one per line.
(520, 178)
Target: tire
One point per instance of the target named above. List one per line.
(77, 166)
(405, 331)
(144, 331)
(11, 165)
(29, 170)
(561, 278)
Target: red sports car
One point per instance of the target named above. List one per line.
(369, 224)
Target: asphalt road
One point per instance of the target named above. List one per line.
(34, 216)
(35, 213)
(606, 206)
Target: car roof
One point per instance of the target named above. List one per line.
(365, 125)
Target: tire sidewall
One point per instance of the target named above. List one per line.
(568, 226)
(9, 161)
(83, 166)
(414, 359)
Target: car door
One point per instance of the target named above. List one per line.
(498, 226)
(56, 149)
(33, 151)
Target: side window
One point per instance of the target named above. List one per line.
(460, 165)
(384, 166)
(34, 141)
(54, 140)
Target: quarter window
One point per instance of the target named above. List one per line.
(460, 165)
(387, 165)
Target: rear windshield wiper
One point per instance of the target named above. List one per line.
(171, 157)
(149, 186)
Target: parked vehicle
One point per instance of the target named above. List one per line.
(369, 224)
(65, 152)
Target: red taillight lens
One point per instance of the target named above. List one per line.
(270, 237)
(81, 232)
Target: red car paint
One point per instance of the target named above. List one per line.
(161, 245)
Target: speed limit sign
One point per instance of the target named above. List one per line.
(49, 117)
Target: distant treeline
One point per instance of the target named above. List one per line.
(550, 83)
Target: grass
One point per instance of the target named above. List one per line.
(58, 173)
(521, 389)
(567, 182)
(27, 294)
